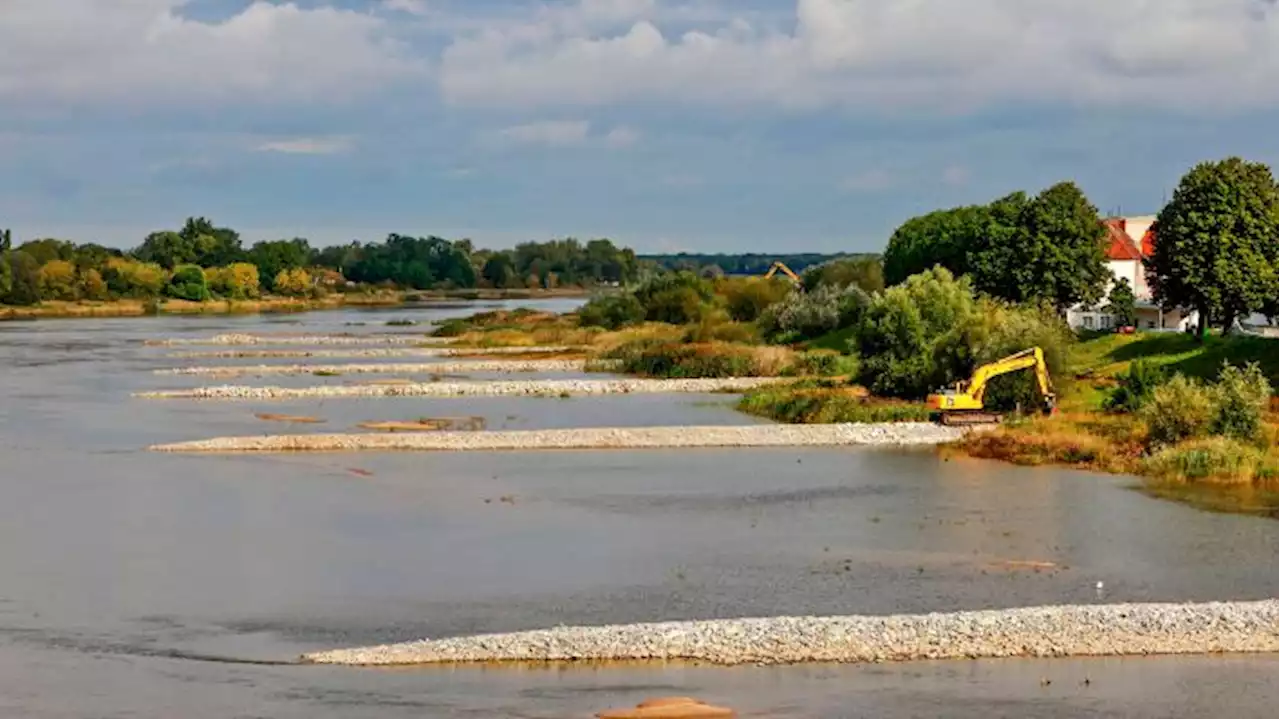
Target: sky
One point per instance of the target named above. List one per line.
(666, 125)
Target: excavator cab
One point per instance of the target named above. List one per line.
(963, 403)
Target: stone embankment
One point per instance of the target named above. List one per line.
(369, 353)
(1080, 630)
(760, 435)
(512, 366)
(246, 339)
(526, 388)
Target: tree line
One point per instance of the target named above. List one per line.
(1215, 246)
(747, 263)
(201, 260)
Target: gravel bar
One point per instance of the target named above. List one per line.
(246, 339)
(528, 388)
(759, 435)
(387, 368)
(354, 353)
(1080, 630)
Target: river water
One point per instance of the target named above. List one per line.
(144, 585)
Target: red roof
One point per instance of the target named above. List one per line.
(1148, 243)
(1122, 246)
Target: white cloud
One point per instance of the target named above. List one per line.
(328, 145)
(876, 53)
(562, 133)
(146, 51)
(413, 7)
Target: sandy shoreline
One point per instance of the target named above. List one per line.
(759, 435)
(454, 351)
(236, 339)
(1076, 630)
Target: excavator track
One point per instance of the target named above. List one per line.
(960, 419)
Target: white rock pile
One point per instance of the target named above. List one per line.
(527, 388)
(1080, 630)
(385, 368)
(375, 352)
(247, 339)
(758, 435)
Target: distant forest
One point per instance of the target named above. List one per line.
(750, 263)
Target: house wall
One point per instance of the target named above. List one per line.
(1130, 270)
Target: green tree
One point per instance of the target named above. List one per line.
(188, 283)
(92, 286)
(1120, 304)
(48, 249)
(865, 272)
(58, 281)
(24, 284)
(214, 246)
(941, 238)
(499, 271)
(275, 255)
(6, 272)
(1216, 242)
(167, 249)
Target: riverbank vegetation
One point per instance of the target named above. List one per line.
(203, 262)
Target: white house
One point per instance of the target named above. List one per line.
(1130, 240)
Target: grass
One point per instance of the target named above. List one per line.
(1107, 355)
(825, 402)
(837, 340)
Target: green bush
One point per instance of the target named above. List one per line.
(677, 298)
(715, 326)
(799, 405)
(1178, 410)
(826, 363)
(916, 336)
(658, 358)
(188, 283)
(1239, 398)
(746, 298)
(611, 312)
(1000, 330)
(1219, 458)
(1135, 387)
(805, 315)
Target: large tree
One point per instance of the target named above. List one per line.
(1054, 251)
(1216, 242)
(273, 256)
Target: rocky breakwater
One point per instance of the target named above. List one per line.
(370, 353)
(248, 339)
(512, 366)
(765, 435)
(1056, 631)
(526, 388)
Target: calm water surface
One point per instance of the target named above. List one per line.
(142, 585)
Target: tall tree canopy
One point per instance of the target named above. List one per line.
(1047, 248)
(1216, 242)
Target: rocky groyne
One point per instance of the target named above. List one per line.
(1055, 631)
(761, 435)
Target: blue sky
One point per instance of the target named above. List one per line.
(702, 125)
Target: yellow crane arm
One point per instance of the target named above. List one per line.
(779, 265)
(1029, 358)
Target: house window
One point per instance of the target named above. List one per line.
(1088, 322)
(1151, 324)
(1106, 321)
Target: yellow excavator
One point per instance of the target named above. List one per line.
(962, 404)
(779, 265)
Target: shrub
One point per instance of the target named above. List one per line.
(826, 363)
(57, 280)
(188, 283)
(1135, 387)
(715, 326)
(1179, 409)
(658, 358)
(746, 298)
(1239, 398)
(804, 405)
(805, 315)
(237, 281)
(915, 336)
(676, 298)
(129, 278)
(611, 312)
(295, 282)
(1001, 330)
(1214, 458)
(92, 286)
(864, 272)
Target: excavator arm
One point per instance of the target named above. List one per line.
(779, 265)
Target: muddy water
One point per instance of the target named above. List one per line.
(128, 579)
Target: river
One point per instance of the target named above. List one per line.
(135, 584)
